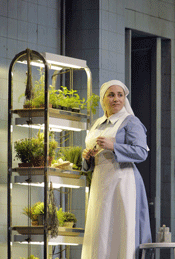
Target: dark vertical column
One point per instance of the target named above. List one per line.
(166, 137)
(128, 42)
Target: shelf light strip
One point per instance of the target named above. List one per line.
(39, 64)
(55, 185)
(49, 243)
(39, 126)
(64, 61)
(51, 127)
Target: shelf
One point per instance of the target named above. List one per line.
(51, 171)
(48, 119)
(56, 113)
(57, 182)
(58, 119)
(39, 230)
(66, 240)
(59, 240)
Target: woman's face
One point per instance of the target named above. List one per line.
(114, 99)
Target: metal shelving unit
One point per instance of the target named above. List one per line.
(46, 118)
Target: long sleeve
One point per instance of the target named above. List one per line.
(134, 148)
(88, 166)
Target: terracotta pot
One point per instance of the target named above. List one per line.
(41, 219)
(43, 105)
(39, 161)
(34, 222)
(25, 164)
(27, 106)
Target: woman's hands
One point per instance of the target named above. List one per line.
(105, 143)
(87, 153)
(102, 142)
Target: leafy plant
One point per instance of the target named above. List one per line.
(65, 217)
(53, 222)
(24, 149)
(71, 154)
(72, 99)
(60, 216)
(39, 208)
(29, 150)
(69, 217)
(33, 211)
(91, 102)
(62, 97)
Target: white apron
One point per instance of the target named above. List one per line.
(110, 225)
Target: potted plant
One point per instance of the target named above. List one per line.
(71, 154)
(31, 150)
(37, 99)
(39, 211)
(61, 99)
(69, 219)
(66, 219)
(33, 212)
(71, 99)
(24, 148)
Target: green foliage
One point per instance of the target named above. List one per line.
(71, 154)
(33, 211)
(24, 149)
(53, 222)
(93, 101)
(39, 208)
(28, 150)
(62, 97)
(30, 257)
(69, 217)
(60, 216)
(65, 217)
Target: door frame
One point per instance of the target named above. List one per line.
(155, 202)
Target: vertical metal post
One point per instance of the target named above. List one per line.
(71, 87)
(9, 212)
(89, 93)
(46, 148)
(128, 45)
(158, 136)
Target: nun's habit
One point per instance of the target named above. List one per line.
(117, 218)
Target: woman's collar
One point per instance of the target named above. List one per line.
(114, 117)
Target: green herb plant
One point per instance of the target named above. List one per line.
(35, 210)
(65, 217)
(71, 154)
(32, 149)
(62, 97)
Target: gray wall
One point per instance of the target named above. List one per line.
(24, 24)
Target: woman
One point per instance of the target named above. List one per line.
(117, 217)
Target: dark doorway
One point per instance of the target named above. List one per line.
(143, 93)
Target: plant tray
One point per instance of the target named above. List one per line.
(39, 230)
(56, 113)
(63, 231)
(51, 171)
(26, 230)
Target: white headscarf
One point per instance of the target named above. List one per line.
(105, 87)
